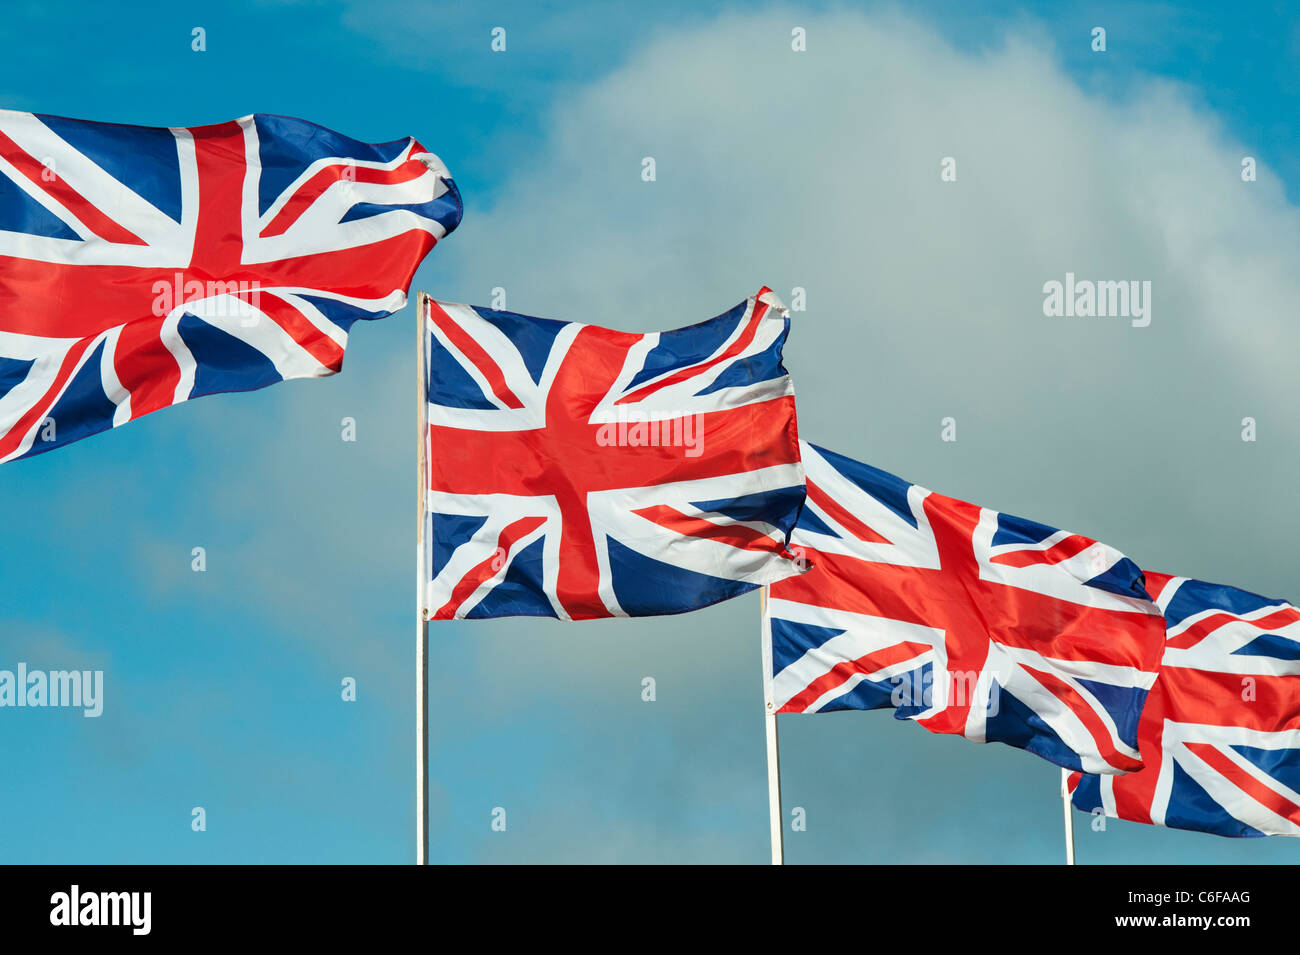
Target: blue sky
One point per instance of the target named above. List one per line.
(817, 170)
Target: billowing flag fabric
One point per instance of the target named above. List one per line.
(962, 618)
(142, 267)
(1220, 738)
(579, 472)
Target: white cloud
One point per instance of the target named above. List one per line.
(821, 169)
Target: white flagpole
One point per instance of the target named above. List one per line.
(421, 613)
(773, 749)
(1069, 817)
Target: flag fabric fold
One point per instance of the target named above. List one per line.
(579, 472)
(141, 267)
(963, 619)
(1220, 737)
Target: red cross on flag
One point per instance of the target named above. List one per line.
(965, 619)
(580, 472)
(141, 267)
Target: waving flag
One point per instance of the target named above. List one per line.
(1220, 738)
(964, 619)
(141, 267)
(579, 472)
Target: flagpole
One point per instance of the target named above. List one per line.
(773, 747)
(1069, 817)
(421, 613)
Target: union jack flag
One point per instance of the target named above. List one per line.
(1220, 738)
(578, 472)
(141, 267)
(964, 619)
